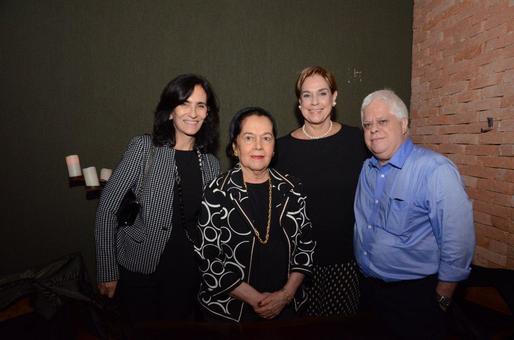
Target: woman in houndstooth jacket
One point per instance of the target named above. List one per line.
(149, 266)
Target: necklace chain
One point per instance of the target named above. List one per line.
(268, 225)
(317, 137)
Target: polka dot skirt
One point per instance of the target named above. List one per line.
(334, 290)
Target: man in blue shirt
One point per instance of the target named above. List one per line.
(414, 234)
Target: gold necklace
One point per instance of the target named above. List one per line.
(268, 225)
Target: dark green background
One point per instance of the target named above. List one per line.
(84, 77)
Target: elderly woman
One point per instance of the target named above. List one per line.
(253, 236)
(327, 157)
(150, 265)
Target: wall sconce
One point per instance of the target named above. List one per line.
(87, 177)
(490, 125)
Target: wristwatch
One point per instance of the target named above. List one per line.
(443, 301)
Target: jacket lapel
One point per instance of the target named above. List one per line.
(239, 195)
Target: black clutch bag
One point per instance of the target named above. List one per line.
(130, 206)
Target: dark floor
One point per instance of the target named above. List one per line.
(79, 321)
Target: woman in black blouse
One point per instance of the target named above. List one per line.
(327, 157)
(149, 266)
(253, 236)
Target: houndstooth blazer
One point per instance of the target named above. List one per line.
(139, 247)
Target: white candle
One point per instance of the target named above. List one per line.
(105, 174)
(91, 177)
(73, 163)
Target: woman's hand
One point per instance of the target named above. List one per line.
(273, 304)
(108, 288)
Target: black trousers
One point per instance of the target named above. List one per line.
(408, 308)
(169, 293)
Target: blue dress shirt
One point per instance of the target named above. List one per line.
(413, 218)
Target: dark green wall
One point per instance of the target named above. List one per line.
(84, 76)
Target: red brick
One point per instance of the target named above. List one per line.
(482, 150)
(497, 114)
(464, 116)
(503, 64)
(468, 53)
(507, 101)
(493, 91)
(493, 137)
(490, 255)
(484, 81)
(485, 58)
(470, 182)
(463, 159)
(455, 87)
(483, 218)
(506, 125)
(452, 148)
(508, 76)
(464, 138)
(504, 175)
(487, 104)
(507, 150)
(497, 162)
(496, 186)
(479, 171)
(483, 242)
(426, 130)
(468, 96)
(490, 232)
(501, 223)
(434, 139)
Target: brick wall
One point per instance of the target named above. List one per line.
(462, 73)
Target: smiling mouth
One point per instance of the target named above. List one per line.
(191, 122)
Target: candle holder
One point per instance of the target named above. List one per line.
(86, 178)
(76, 181)
(93, 192)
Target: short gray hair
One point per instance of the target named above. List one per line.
(395, 103)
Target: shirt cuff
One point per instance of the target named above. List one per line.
(450, 273)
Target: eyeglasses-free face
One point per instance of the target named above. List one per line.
(255, 144)
(188, 117)
(316, 99)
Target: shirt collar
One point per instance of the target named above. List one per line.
(399, 157)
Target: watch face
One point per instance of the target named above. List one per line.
(444, 301)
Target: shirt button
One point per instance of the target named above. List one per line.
(376, 201)
(366, 253)
(369, 226)
(382, 176)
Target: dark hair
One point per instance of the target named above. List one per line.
(175, 93)
(235, 125)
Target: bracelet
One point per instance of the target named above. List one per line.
(288, 296)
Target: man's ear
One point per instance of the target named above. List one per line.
(405, 125)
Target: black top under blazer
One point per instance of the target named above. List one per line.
(139, 247)
(224, 240)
